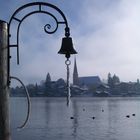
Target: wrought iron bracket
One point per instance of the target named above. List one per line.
(41, 8)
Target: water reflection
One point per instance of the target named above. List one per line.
(113, 118)
(51, 119)
(47, 112)
(75, 118)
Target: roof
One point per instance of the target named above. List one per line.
(89, 80)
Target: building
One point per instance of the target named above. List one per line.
(84, 81)
(89, 81)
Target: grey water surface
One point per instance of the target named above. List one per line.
(85, 119)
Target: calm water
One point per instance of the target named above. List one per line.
(50, 119)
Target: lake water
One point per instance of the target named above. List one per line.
(51, 119)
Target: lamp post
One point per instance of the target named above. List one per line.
(6, 46)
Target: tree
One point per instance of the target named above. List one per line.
(138, 81)
(36, 88)
(48, 78)
(110, 80)
(115, 79)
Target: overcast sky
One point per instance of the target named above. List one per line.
(106, 35)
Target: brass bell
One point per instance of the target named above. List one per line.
(67, 47)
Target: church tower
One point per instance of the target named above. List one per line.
(75, 74)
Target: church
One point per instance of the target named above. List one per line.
(84, 81)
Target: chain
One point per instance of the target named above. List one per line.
(68, 62)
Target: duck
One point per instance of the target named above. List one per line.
(71, 118)
(128, 116)
(133, 114)
(93, 117)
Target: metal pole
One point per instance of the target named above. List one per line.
(4, 89)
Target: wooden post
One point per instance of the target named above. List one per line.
(4, 89)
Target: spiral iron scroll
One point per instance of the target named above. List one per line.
(48, 27)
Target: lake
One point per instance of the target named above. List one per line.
(113, 118)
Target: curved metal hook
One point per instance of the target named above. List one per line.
(28, 100)
(40, 10)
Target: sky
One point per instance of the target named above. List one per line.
(105, 33)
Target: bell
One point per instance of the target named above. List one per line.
(67, 47)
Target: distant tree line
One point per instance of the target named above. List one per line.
(47, 88)
(122, 88)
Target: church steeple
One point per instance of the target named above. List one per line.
(75, 74)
